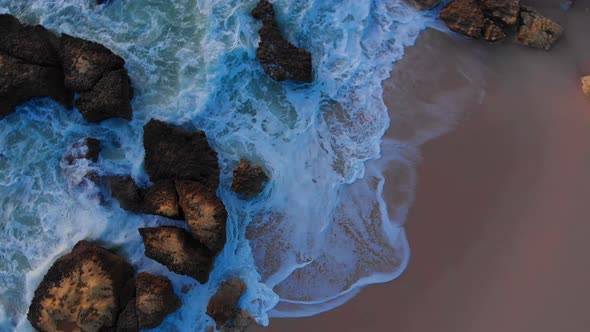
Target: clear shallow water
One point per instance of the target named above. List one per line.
(321, 228)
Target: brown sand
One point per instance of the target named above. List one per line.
(500, 229)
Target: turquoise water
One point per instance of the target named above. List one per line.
(320, 230)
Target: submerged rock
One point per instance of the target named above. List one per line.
(176, 154)
(223, 305)
(176, 249)
(536, 30)
(161, 199)
(248, 180)
(424, 4)
(79, 157)
(110, 98)
(81, 290)
(586, 85)
(124, 189)
(204, 212)
(280, 59)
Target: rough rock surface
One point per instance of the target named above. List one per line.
(280, 59)
(124, 189)
(176, 154)
(85, 62)
(176, 249)
(248, 180)
(536, 30)
(504, 10)
(586, 85)
(31, 44)
(204, 212)
(239, 323)
(152, 300)
(223, 305)
(80, 292)
(424, 4)
(161, 199)
(110, 98)
(85, 151)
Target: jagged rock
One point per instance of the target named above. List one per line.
(20, 82)
(479, 19)
(280, 59)
(110, 98)
(161, 199)
(176, 249)
(86, 151)
(176, 154)
(85, 62)
(536, 30)
(80, 292)
(492, 32)
(124, 189)
(204, 212)
(586, 85)
(503, 10)
(424, 4)
(248, 180)
(152, 300)
(223, 305)
(31, 44)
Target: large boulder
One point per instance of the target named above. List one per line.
(80, 292)
(110, 98)
(176, 154)
(21, 81)
(162, 199)
(204, 212)
(176, 249)
(78, 161)
(86, 62)
(248, 180)
(223, 305)
(280, 59)
(31, 44)
(152, 300)
(124, 189)
(468, 18)
(537, 31)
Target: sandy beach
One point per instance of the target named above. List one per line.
(499, 228)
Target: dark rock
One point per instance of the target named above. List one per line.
(239, 323)
(176, 154)
(504, 10)
(424, 4)
(204, 212)
(20, 82)
(248, 180)
(161, 199)
(176, 249)
(127, 321)
(223, 305)
(155, 299)
(110, 98)
(31, 44)
(280, 59)
(124, 189)
(469, 18)
(492, 32)
(85, 150)
(85, 62)
(80, 291)
(536, 30)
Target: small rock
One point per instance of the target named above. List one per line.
(110, 98)
(161, 199)
(176, 249)
(586, 85)
(248, 180)
(239, 323)
(204, 212)
(223, 305)
(536, 30)
(85, 150)
(465, 17)
(80, 292)
(155, 299)
(504, 10)
(124, 189)
(280, 59)
(424, 4)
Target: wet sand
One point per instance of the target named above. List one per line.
(500, 225)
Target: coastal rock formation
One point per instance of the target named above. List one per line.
(424, 4)
(152, 299)
(81, 155)
(31, 44)
(108, 99)
(280, 59)
(80, 292)
(586, 85)
(223, 305)
(176, 249)
(239, 322)
(536, 30)
(248, 180)
(468, 18)
(124, 189)
(204, 212)
(176, 154)
(505, 11)
(162, 199)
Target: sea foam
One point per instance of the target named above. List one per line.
(321, 229)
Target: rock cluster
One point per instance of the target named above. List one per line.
(248, 180)
(494, 20)
(35, 63)
(280, 59)
(93, 289)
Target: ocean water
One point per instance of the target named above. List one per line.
(321, 229)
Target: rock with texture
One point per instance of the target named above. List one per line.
(505, 11)
(424, 4)
(280, 59)
(248, 180)
(31, 44)
(110, 98)
(161, 199)
(586, 85)
(223, 305)
(80, 292)
(176, 249)
(536, 30)
(124, 189)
